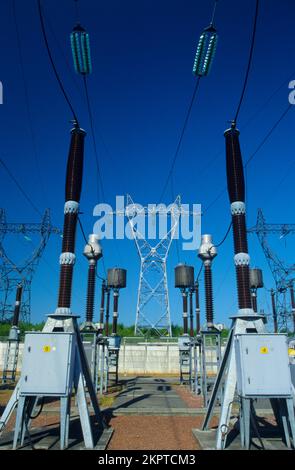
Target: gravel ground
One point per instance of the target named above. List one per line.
(192, 401)
(154, 433)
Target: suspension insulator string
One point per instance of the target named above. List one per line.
(202, 65)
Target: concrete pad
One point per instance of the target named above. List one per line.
(207, 441)
(49, 440)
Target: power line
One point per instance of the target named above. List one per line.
(27, 101)
(264, 140)
(225, 236)
(41, 16)
(268, 134)
(29, 200)
(249, 62)
(188, 113)
(94, 141)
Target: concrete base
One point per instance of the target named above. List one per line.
(207, 441)
(49, 440)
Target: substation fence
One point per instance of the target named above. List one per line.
(146, 357)
(138, 356)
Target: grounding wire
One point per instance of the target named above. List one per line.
(249, 62)
(41, 17)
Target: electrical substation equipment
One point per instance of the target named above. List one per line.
(205, 53)
(55, 363)
(248, 325)
(184, 280)
(12, 345)
(256, 282)
(263, 371)
(116, 280)
(81, 50)
(89, 331)
(210, 336)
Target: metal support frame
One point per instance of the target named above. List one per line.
(113, 364)
(284, 412)
(25, 404)
(91, 350)
(226, 379)
(13, 273)
(102, 364)
(195, 384)
(210, 344)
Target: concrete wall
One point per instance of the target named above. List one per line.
(137, 359)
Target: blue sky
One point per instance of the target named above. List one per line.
(142, 55)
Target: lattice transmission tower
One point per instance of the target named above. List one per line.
(14, 273)
(153, 309)
(283, 274)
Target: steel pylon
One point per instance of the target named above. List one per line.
(283, 274)
(13, 273)
(153, 309)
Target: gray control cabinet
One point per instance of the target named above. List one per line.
(48, 364)
(262, 365)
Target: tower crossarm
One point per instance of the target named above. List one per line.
(278, 268)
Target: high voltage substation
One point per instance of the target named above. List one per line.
(80, 360)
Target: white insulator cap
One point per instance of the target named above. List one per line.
(93, 250)
(207, 250)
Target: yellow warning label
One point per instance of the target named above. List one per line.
(46, 348)
(291, 352)
(263, 350)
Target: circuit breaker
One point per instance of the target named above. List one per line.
(48, 364)
(262, 365)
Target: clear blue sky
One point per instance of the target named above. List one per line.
(141, 84)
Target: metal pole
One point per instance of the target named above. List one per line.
(115, 311)
(254, 299)
(274, 310)
(198, 319)
(108, 291)
(184, 312)
(191, 312)
(101, 311)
